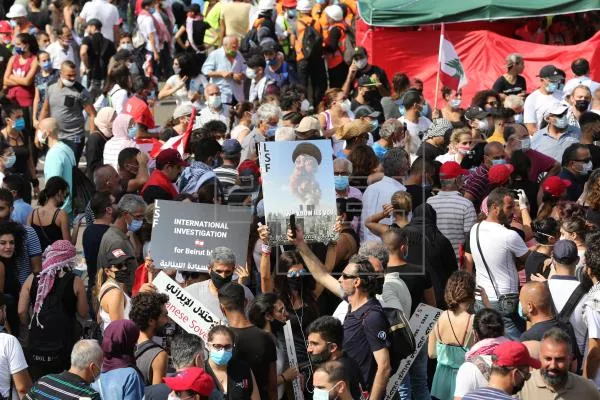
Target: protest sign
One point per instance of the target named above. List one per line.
(185, 234)
(421, 323)
(291, 353)
(184, 309)
(297, 179)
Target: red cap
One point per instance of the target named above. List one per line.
(452, 169)
(169, 156)
(5, 27)
(194, 379)
(499, 174)
(140, 112)
(556, 186)
(514, 354)
(289, 3)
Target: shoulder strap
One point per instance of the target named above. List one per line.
(485, 262)
(149, 345)
(570, 305)
(41, 225)
(106, 291)
(54, 216)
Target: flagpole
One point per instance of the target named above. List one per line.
(437, 78)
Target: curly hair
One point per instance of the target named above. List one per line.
(488, 324)
(593, 199)
(329, 97)
(480, 97)
(146, 307)
(592, 254)
(460, 288)
(570, 209)
(16, 230)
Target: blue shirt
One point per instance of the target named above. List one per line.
(31, 248)
(487, 394)
(218, 61)
(544, 143)
(60, 161)
(120, 383)
(21, 211)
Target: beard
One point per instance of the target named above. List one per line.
(320, 358)
(558, 378)
(503, 218)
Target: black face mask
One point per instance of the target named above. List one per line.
(122, 275)
(218, 280)
(370, 96)
(277, 325)
(582, 105)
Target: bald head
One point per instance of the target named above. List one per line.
(50, 127)
(211, 90)
(106, 179)
(536, 300)
(493, 148)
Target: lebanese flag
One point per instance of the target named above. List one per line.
(452, 73)
(178, 143)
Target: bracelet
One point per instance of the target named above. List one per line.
(282, 378)
(265, 249)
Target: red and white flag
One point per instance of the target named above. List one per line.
(199, 243)
(452, 73)
(179, 143)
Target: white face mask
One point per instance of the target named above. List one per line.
(214, 101)
(305, 106)
(525, 143)
(345, 106)
(67, 83)
(250, 73)
(40, 137)
(519, 118)
(361, 63)
(455, 103)
(126, 46)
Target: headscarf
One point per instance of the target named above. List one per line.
(57, 256)
(119, 141)
(120, 127)
(118, 345)
(485, 347)
(104, 120)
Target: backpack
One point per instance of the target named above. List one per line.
(402, 340)
(82, 192)
(250, 44)
(565, 314)
(312, 42)
(350, 43)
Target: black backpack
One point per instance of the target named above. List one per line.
(312, 42)
(564, 316)
(250, 44)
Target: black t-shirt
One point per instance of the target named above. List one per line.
(418, 194)
(595, 153)
(257, 348)
(152, 193)
(365, 331)
(99, 52)
(373, 70)
(94, 153)
(534, 264)
(353, 374)
(39, 19)
(417, 280)
(536, 332)
(92, 237)
(239, 380)
(505, 87)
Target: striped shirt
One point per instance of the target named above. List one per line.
(63, 386)
(488, 394)
(228, 176)
(31, 248)
(478, 185)
(455, 216)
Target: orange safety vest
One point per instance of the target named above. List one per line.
(301, 23)
(351, 10)
(335, 59)
(318, 14)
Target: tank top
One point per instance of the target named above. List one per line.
(22, 95)
(47, 234)
(145, 353)
(338, 145)
(103, 314)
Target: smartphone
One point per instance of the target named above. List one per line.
(293, 225)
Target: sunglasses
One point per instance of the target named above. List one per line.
(297, 274)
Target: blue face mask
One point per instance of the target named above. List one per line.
(221, 357)
(19, 50)
(551, 87)
(341, 182)
(374, 125)
(19, 124)
(291, 13)
(520, 311)
(271, 131)
(47, 65)
(132, 132)
(152, 10)
(9, 161)
(499, 162)
(425, 110)
(270, 61)
(135, 225)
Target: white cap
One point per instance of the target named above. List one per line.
(265, 5)
(334, 12)
(304, 5)
(16, 11)
(556, 109)
(285, 134)
(182, 110)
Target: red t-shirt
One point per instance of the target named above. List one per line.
(539, 163)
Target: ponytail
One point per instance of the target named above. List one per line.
(43, 197)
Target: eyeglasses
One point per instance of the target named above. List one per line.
(219, 347)
(347, 276)
(524, 375)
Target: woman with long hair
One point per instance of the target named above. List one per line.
(575, 229)
(399, 209)
(94, 148)
(452, 110)
(241, 120)
(545, 232)
(178, 84)
(334, 111)
(225, 370)
(11, 247)
(113, 302)
(20, 73)
(117, 87)
(452, 335)
(49, 221)
(56, 296)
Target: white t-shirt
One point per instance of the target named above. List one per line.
(146, 26)
(181, 95)
(105, 12)
(237, 130)
(416, 131)
(536, 104)
(446, 157)
(592, 318)
(12, 361)
(118, 98)
(500, 247)
(469, 378)
(201, 292)
(58, 54)
(561, 288)
(376, 195)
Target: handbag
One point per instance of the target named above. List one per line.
(507, 303)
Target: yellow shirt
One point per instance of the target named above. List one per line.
(496, 137)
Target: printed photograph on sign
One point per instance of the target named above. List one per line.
(298, 189)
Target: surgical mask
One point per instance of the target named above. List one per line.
(322, 394)
(19, 124)
(562, 122)
(12, 23)
(525, 143)
(221, 357)
(132, 132)
(176, 69)
(582, 105)
(270, 61)
(291, 14)
(587, 168)
(133, 69)
(41, 138)
(218, 280)
(425, 110)
(250, 73)
(9, 161)
(455, 103)
(483, 126)
(127, 46)
(597, 143)
(271, 131)
(19, 50)
(361, 63)
(374, 125)
(152, 10)
(499, 162)
(67, 83)
(305, 106)
(135, 225)
(464, 149)
(551, 87)
(214, 101)
(47, 65)
(341, 182)
(345, 106)
(520, 311)
(519, 118)
(152, 95)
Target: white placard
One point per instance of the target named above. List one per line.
(184, 309)
(291, 353)
(421, 323)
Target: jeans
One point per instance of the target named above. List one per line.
(513, 324)
(414, 386)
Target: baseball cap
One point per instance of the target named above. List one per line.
(556, 109)
(231, 148)
(514, 354)
(16, 11)
(182, 110)
(5, 27)
(304, 5)
(476, 113)
(555, 185)
(308, 124)
(499, 174)
(550, 72)
(565, 251)
(439, 127)
(289, 3)
(194, 379)
(366, 111)
(360, 52)
(334, 12)
(117, 257)
(366, 81)
(452, 169)
(169, 156)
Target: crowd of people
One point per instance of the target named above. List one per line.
(485, 208)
